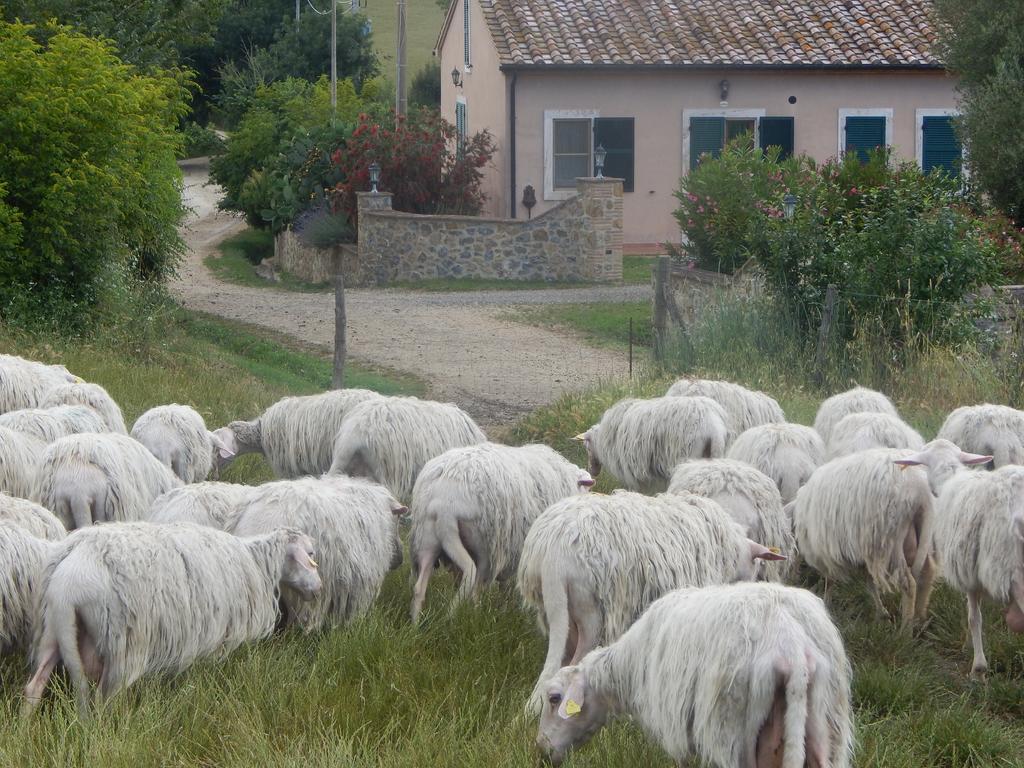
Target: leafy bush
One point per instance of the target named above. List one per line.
(423, 164)
(200, 141)
(425, 90)
(89, 184)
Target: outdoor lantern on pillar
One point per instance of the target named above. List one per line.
(599, 155)
(789, 205)
(456, 78)
(374, 175)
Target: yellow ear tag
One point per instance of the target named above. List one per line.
(313, 563)
(572, 708)
(775, 550)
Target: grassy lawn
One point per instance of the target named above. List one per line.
(239, 254)
(599, 322)
(637, 270)
(422, 25)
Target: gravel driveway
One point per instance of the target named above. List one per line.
(494, 368)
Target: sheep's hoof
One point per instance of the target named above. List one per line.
(979, 674)
(922, 626)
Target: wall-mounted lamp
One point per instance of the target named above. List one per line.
(789, 205)
(599, 155)
(456, 78)
(374, 175)
(723, 93)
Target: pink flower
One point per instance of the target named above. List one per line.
(691, 197)
(700, 209)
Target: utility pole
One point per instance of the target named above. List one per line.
(400, 100)
(334, 61)
(298, 3)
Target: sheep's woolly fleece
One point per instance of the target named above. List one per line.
(157, 598)
(991, 430)
(857, 400)
(750, 497)
(31, 517)
(22, 556)
(641, 441)
(100, 478)
(787, 453)
(390, 439)
(92, 395)
(213, 504)
(863, 431)
(698, 672)
(745, 408)
(355, 533)
(19, 462)
(25, 383)
(49, 424)
(177, 436)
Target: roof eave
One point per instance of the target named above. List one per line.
(623, 66)
(444, 27)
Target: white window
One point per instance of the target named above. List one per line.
(737, 121)
(861, 130)
(466, 61)
(567, 150)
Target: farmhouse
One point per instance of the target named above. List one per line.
(658, 83)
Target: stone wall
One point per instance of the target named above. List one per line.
(695, 290)
(314, 265)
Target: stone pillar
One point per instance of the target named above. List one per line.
(368, 240)
(601, 235)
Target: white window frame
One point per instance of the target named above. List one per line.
(467, 43)
(550, 115)
(919, 115)
(755, 114)
(844, 113)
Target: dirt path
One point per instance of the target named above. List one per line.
(456, 342)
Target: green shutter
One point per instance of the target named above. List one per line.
(615, 134)
(705, 136)
(777, 132)
(864, 134)
(465, 33)
(461, 128)
(940, 146)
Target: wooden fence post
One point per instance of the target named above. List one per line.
(340, 344)
(661, 288)
(823, 332)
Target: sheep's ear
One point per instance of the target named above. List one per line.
(761, 552)
(397, 508)
(580, 438)
(224, 441)
(910, 461)
(974, 458)
(572, 701)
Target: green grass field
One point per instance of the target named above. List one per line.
(602, 323)
(422, 25)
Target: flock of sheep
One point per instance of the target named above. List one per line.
(666, 600)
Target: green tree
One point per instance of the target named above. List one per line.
(89, 186)
(426, 86)
(982, 41)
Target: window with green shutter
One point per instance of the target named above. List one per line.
(864, 134)
(940, 147)
(777, 132)
(615, 134)
(707, 136)
(461, 129)
(465, 33)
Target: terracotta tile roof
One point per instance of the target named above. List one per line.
(896, 33)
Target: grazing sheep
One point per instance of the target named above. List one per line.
(977, 553)
(31, 517)
(213, 504)
(25, 383)
(862, 431)
(863, 511)
(996, 430)
(177, 436)
(591, 564)
(642, 441)
(122, 600)
(739, 675)
(473, 506)
(857, 400)
(787, 453)
(390, 439)
(751, 499)
(354, 525)
(19, 462)
(86, 479)
(92, 395)
(49, 424)
(296, 434)
(744, 407)
(22, 556)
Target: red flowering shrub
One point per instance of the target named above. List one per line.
(423, 164)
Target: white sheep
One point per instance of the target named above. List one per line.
(472, 507)
(389, 439)
(94, 478)
(974, 543)
(861, 431)
(739, 675)
(19, 462)
(213, 504)
(25, 383)
(787, 453)
(591, 564)
(295, 434)
(122, 600)
(177, 436)
(856, 400)
(22, 556)
(996, 430)
(49, 424)
(642, 441)
(864, 511)
(745, 408)
(92, 395)
(751, 499)
(31, 517)
(354, 526)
